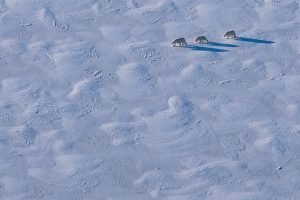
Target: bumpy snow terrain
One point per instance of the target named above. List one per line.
(95, 103)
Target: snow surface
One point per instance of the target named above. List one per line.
(95, 103)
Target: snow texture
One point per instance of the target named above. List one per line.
(95, 103)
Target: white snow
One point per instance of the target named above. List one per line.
(95, 103)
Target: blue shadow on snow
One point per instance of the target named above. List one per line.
(216, 44)
(198, 48)
(243, 39)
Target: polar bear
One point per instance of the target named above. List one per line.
(201, 40)
(179, 42)
(230, 35)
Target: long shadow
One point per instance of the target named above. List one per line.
(216, 44)
(198, 48)
(243, 39)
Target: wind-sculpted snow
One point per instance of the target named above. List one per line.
(95, 103)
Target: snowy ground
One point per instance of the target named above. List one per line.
(96, 104)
